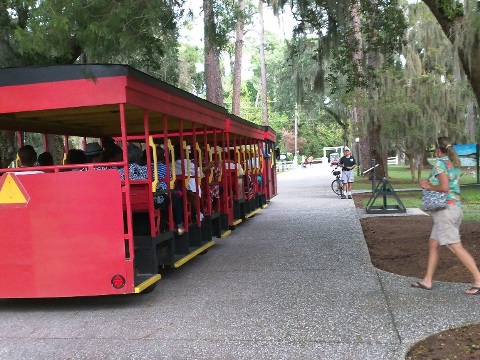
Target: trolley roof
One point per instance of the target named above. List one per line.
(85, 100)
(237, 125)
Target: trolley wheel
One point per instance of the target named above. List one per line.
(337, 186)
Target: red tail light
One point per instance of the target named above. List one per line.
(118, 281)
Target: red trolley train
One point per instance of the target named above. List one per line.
(82, 229)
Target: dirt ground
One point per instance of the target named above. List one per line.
(400, 245)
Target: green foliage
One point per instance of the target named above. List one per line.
(191, 79)
(382, 29)
(450, 9)
(36, 140)
(139, 33)
(320, 135)
(290, 70)
(225, 14)
(471, 195)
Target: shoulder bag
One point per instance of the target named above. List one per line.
(433, 200)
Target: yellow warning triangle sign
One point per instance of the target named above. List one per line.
(12, 191)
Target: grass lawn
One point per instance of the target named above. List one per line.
(400, 178)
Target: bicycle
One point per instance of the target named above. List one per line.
(337, 184)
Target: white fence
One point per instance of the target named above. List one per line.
(392, 160)
(284, 165)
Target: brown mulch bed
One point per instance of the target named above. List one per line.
(400, 245)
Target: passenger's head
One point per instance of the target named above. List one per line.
(108, 141)
(160, 154)
(177, 151)
(45, 159)
(27, 156)
(134, 154)
(112, 152)
(75, 156)
(94, 152)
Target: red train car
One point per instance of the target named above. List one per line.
(82, 229)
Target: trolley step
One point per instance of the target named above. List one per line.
(145, 281)
(195, 251)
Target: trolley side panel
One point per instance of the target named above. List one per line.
(67, 240)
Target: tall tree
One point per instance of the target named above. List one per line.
(459, 21)
(357, 113)
(352, 35)
(263, 66)
(190, 70)
(58, 32)
(237, 67)
(213, 74)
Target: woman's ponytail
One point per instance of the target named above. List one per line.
(446, 147)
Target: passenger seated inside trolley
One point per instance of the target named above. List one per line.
(45, 159)
(162, 198)
(215, 188)
(138, 170)
(112, 151)
(94, 152)
(187, 169)
(75, 157)
(27, 156)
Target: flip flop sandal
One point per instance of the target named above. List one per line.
(477, 291)
(419, 285)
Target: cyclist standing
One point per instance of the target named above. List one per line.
(347, 163)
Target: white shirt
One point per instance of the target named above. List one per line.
(192, 184)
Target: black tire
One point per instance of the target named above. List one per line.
(337, 186)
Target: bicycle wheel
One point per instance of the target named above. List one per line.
(337, 186)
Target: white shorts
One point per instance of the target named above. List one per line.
(347, 176)
(446, 225)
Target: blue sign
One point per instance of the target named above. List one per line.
(468, 154)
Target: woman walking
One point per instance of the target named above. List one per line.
(445, 177)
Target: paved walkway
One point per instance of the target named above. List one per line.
(293, 282)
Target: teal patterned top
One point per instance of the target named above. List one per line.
(443, 165)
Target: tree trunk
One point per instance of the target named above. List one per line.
(56, 147)
(377, 151)
(213, 75)
(237, 67)
(425, 163)
(470, 123)
(363, 157)
(421, 157)
(411, 164)
(263, 66)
